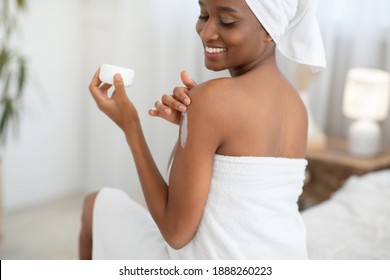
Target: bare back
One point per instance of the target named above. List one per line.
(261, 117)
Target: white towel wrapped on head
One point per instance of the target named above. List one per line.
(293, 26)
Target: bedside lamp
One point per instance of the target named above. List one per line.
(366, 100)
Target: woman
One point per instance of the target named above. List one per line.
(238, 167)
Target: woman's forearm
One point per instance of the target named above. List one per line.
(176, 209)
(154, 187)
(164, 209)
(122, 111)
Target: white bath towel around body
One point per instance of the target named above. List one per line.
(251, 213)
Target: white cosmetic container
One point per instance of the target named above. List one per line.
(107, 73)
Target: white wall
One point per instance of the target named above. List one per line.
(46, 160)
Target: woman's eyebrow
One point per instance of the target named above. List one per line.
(226, 9)
(220, 8)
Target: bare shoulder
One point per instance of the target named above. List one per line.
(295, 125)
(296, 108)
(212, 89)
(207, 97)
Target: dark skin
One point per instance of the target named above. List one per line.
(216, 25)
(246, 60)
(256, 106)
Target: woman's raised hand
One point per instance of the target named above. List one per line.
(118, 107)
(170, 107)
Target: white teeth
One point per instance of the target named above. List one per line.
(215, 50)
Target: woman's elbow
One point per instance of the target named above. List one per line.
(177, 239)
(176, 245)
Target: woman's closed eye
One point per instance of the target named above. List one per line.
(203, 17)
(227, 22)
(221, 21)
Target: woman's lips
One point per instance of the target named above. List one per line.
(214, 50)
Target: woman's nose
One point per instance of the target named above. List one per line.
(209, 32)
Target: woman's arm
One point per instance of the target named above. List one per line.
(176, 209)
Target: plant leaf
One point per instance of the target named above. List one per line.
(11, 78)
(21, 77)
(7, 83)
(4, 59)
(6, 117)
(21, 4)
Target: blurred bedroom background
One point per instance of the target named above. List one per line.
(65, 148)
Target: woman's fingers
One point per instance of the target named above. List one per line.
(95, 82)
(119, 85)
(163, 111)
(181, 94)
(164, 107)
(159, 111)
(187, 80)
(153, 112)
(105, 87)
(171, 106)
(172, 103)
(161, 108)
(94, 88)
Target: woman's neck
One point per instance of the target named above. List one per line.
(268, 59)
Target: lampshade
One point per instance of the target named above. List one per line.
(367, 94)
(366, 100)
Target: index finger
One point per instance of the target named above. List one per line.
(187, 80)
(181, 94)
(95, 82)
(94, 87)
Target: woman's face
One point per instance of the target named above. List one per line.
(231, 35)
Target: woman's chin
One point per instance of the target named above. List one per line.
(214, 67)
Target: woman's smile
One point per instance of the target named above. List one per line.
(213, 52)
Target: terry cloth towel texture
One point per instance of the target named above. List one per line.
(294, 27)
(251, 213)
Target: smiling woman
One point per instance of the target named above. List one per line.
(233, 187)
(224, 31)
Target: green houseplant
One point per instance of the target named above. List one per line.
(12, 67)
(12, 78)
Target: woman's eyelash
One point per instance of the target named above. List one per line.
(226, 24)
(221, 22)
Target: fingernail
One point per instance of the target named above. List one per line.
(187, 101)
(167, 111)
(182, 108)
(118, 77)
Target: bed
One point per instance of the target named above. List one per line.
(354, 223)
